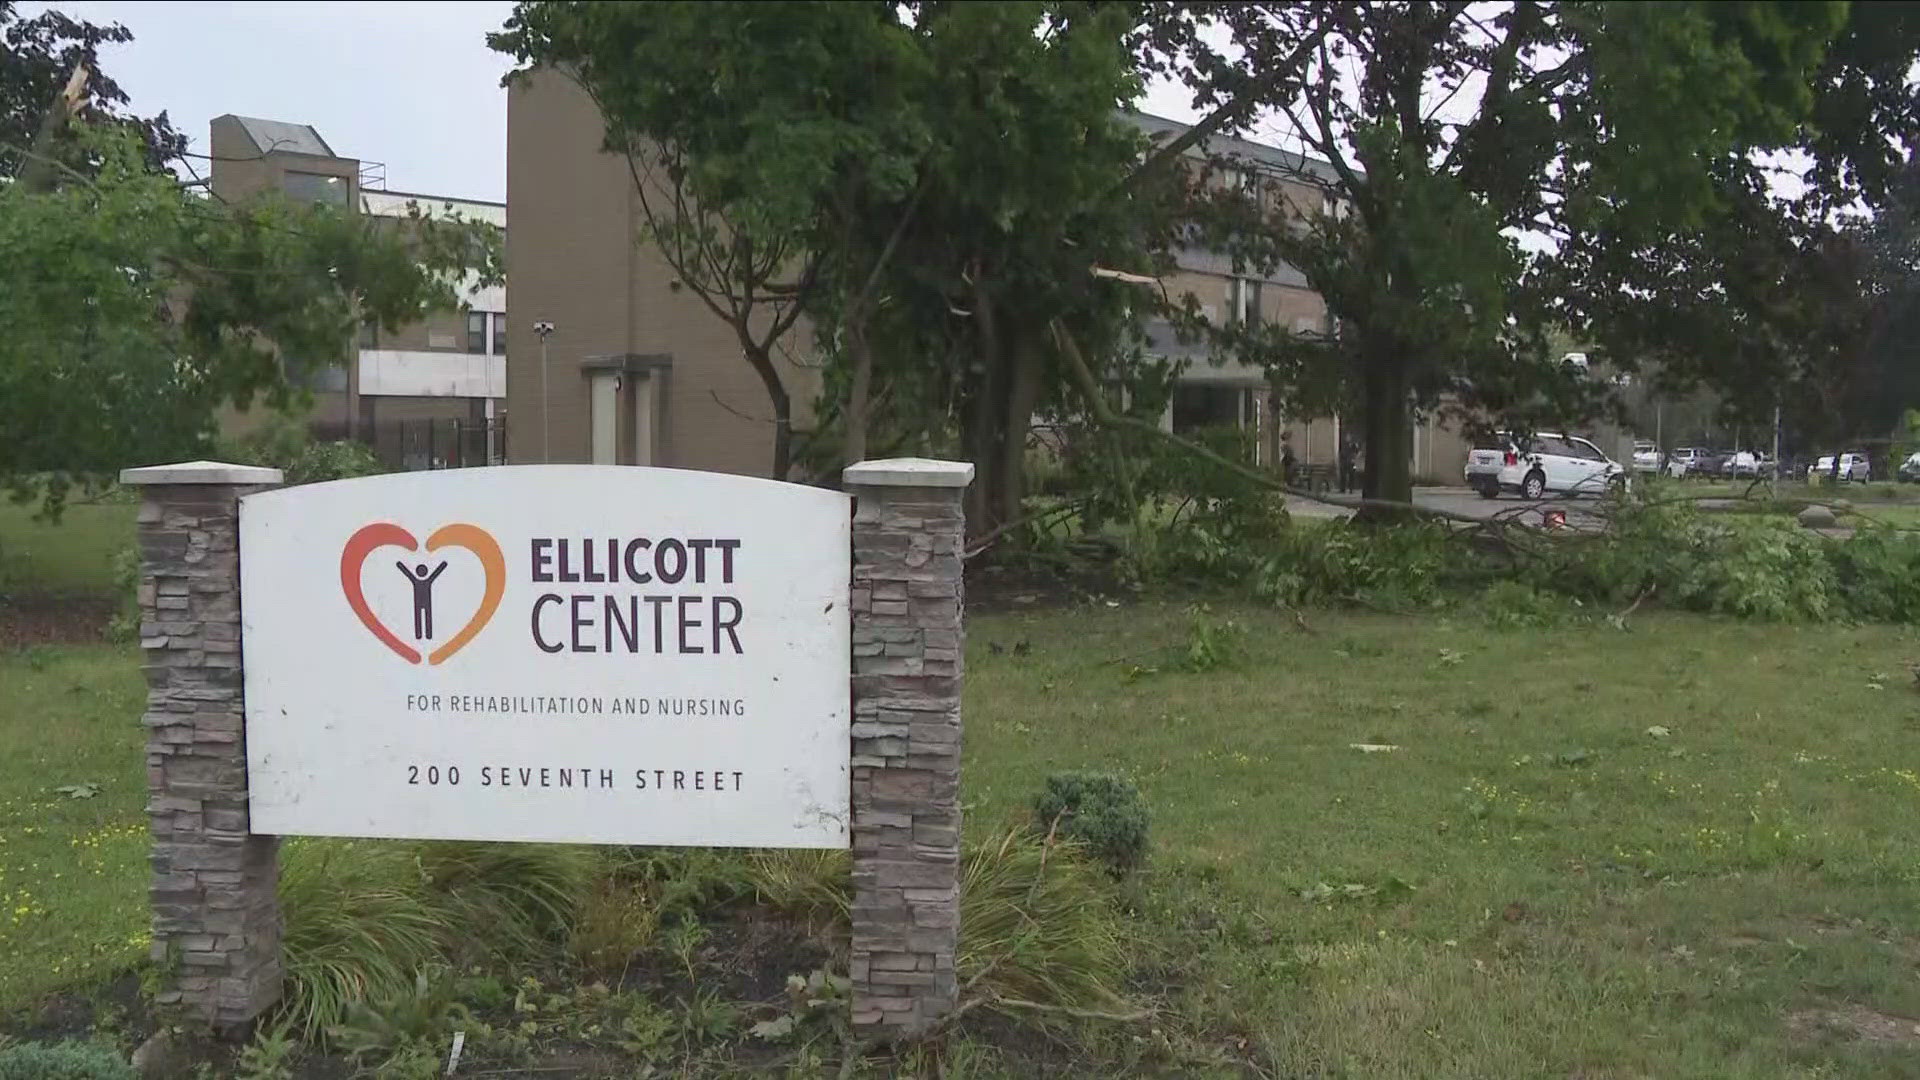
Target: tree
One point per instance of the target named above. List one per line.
(1802, 301)
(1450, 132)
(37, 58)
(136, 307)
(916, 179)
(750, 182)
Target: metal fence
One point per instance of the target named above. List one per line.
(413, 445)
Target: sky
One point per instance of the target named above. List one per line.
(412, 85)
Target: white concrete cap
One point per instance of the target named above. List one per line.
(909, 472)
(201, 472)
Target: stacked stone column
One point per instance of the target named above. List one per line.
(908, 530)
(216, 917)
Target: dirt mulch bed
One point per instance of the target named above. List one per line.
(33, 618)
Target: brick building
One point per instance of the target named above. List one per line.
(639, 371)
(429, 394)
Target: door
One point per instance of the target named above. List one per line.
(1557, 460)
(1589, 466)
(603, 416)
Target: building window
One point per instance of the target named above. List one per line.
(499, 333)
(315, 188)
(1197, 406)
(477, 331)
(321, 378)
(1243, 301)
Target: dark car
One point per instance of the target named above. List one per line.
(1713, 463)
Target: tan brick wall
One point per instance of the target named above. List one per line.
(573, 260)
(419, 336)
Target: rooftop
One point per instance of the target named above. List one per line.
(1161, 129)
(271, 135)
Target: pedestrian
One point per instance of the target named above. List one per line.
(1286, 458)
(1347, 453)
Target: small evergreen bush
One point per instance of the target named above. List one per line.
(63, 1061)
(1106, 814)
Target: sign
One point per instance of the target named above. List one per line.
(570, 653)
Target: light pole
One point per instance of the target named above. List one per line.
(1775, 488)
(544, 328)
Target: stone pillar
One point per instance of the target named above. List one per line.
(908, 529)
(216, 917)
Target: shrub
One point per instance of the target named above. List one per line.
(1517, 604)
(341, 460)
(1407, 565)
(525, 895)
(808, 885)
(358, 926)
(285, 445)
(1037, 925)
(1878, 574)
(616, 921)
(1743, 565)
(125, 623)
(363, 918)
(63, 1061)
(1106, 814)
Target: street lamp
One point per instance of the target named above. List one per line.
(544, 328)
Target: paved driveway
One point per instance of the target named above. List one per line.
(1460, 500)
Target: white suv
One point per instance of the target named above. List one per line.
(1543, 462)
(1852, 467)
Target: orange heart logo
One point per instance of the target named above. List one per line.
(386, 534)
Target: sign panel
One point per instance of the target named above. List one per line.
(571, 653)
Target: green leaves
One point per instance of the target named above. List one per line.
(136, 308)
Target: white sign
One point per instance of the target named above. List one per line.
(573, 653)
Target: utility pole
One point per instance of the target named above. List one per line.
(544, 328)
(1776, 448)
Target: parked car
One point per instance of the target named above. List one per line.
(1646, 457)
(1741, 465)
(1683, 461)
(1853, 467)
(1909, 470)
(1539, 464)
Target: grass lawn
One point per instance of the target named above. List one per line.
(73, 873)
(1532, 884)
(73, 555)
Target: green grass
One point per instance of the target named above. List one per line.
(1532, 885)
(1879, 491)
(73, 874)
(74, 554)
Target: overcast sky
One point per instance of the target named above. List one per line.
(412, 85)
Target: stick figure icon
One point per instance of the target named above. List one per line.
(422, 581)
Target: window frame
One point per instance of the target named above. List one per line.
(477, 324)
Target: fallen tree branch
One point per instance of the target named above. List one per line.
(1103, 412)
(985, 541)
(1068, 1010)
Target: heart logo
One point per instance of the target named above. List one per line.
(386, 534)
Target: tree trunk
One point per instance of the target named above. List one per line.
(1388, 470)
(855, 440)
(763, 366)
(985, 414)
(1023, 395)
